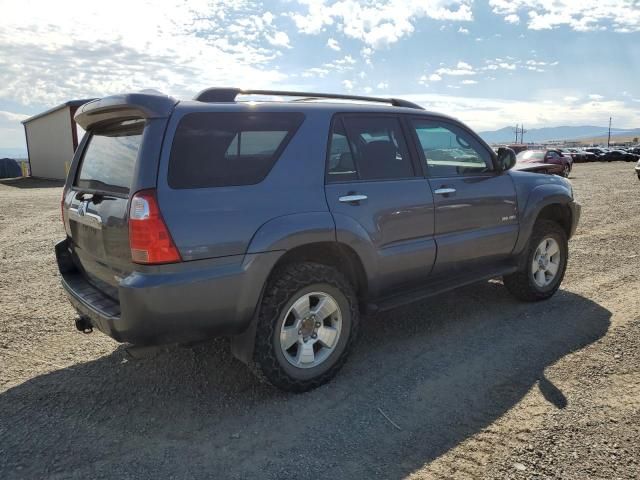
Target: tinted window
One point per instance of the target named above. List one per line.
(341, 166)
(378, 147)
(213, 149)
(110, 157)
(450, 151)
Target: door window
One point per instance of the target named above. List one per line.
(220, 149)
(368, 148)
(450, 151)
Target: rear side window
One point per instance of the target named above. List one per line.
(110, 156)
(216, 149)
(368, 148)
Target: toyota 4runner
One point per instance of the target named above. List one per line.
(279, 223)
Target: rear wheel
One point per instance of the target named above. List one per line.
(566, 170)
(545, 264)
(307, 322)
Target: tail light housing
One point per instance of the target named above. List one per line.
(62, 200)
(149, 237)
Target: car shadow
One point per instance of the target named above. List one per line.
(422, 379)
(31, 182)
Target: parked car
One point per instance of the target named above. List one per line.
(576, 156)
(598, 152)
(619, 155)
(579, 155)
(280, 223)
(561, 164)
(638, 169)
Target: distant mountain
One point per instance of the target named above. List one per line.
(15, 153)
(507, 134)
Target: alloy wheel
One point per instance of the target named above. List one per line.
(310, 330)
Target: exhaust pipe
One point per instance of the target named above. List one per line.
(84, 325)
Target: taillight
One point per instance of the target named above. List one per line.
(149, 237)
(64, 224)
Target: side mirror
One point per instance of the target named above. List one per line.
(506, 159)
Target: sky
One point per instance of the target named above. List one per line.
(489, 63)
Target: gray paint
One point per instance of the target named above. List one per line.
(230, 238)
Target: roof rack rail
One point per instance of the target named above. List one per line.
(229, 95)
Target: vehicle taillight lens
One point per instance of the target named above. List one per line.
(149, 237)
(64, 224)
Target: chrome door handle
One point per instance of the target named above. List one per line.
(444, 191)
(352, 198)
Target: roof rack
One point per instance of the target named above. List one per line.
(229, 95)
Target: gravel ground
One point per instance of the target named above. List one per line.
(478, 384)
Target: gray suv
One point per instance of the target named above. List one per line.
(280, 223)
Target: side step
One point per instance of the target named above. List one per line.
(435, 288)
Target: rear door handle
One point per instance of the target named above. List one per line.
(352, 198)
(444, 191)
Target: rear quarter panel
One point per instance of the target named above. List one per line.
(220, 221)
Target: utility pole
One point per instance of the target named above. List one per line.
(522, 132)
(516, 130)
(609, 137)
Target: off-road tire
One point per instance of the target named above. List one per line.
(521, 284)
(285, 285)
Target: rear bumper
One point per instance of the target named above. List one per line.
(175, 303)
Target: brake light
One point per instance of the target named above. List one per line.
(64, 224)
(149, 237)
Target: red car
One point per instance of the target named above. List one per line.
(553, 161)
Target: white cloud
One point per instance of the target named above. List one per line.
(340, 65)
(382, 86)
(54, 51)
(461, 69)
(512, 18)
(376, 24)
(483, 113)
(333, 44)
(434, 77)
(571, 99)
(584, 15)
(12, 117)
(468, 82)
(279, 39)
(348, 84)
(463, 30)
(595, 96)
(11, 132)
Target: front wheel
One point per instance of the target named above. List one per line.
(307, 322)
(545, 264)
(566, 170)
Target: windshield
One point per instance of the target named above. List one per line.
(110, 156)
(529, 155)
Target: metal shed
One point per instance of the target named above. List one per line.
(52, 138)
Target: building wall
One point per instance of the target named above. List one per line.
(50, 143)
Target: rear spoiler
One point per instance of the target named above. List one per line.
(129, 105)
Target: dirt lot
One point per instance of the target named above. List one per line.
(480, 386)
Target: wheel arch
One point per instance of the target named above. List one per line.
(330, 253)
(548, 201)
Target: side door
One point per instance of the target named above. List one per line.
(553, 157)
(382, 205)
(476, 215)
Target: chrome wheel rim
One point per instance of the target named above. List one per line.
(546, 262)
(310, 330)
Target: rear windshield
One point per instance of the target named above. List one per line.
(110, 157)
(215, 149)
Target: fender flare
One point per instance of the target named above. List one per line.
(540, 197)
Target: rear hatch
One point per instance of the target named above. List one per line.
(96, 203)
